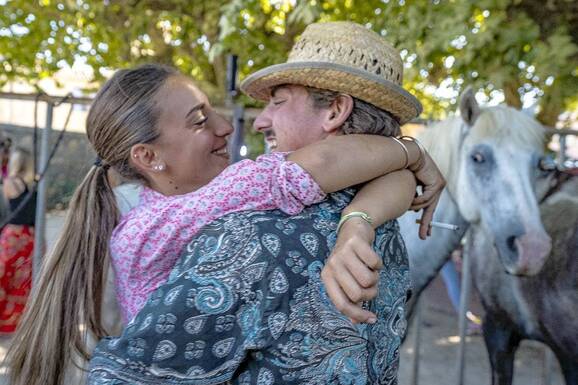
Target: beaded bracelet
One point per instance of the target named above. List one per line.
(353, 214)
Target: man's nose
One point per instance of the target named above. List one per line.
(262, 122)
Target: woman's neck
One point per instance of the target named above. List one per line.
(170, 188)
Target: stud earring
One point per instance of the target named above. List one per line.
(159, 167)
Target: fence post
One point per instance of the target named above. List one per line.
(562, 153)
(464, 302)
(237, 137)
(414, 379)
(40, 222)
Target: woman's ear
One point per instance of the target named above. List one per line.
(144, 158)
(339, 111)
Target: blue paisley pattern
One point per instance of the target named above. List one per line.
(245, 305)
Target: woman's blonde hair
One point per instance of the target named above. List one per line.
(65, 306)
(20, 165)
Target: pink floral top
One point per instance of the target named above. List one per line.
(149, 238)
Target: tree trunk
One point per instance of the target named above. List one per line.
(511, 94)
(163, 51)
(551, 106)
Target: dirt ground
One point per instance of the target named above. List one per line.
(439, 343)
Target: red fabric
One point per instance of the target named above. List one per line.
(16, 248)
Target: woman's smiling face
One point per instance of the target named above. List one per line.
(193, 137)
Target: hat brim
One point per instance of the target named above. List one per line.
(335, 77)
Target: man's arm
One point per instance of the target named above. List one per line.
(351, 272)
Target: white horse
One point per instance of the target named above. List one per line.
(490, 158)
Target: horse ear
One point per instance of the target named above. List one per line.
(469, 108)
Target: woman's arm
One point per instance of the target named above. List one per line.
(325, 166)
(347, 160)
(351, 272)
(385, 198)
(342, 161)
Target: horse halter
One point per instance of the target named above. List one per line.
(561, 176)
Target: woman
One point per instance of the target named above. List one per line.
(151, 125)
(17, 240)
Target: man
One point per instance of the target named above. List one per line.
(245, 303)
(328, 66)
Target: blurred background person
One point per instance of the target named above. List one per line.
(17, 239)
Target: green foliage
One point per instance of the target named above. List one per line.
(37, 38)
(444, 44)
(513, 46)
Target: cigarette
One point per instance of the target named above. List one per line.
(441, 225)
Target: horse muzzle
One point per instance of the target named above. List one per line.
(524, 253)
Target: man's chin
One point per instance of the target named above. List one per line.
(272, 146)
(270, 140)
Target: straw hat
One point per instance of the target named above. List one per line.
(343, 57)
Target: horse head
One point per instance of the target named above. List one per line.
(490, 158)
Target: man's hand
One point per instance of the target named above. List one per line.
(432, 181)
(351, 272)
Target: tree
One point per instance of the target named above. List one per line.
(496, 45)
(38, 38)
(516, 47)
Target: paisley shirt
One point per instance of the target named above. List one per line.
(245, 305)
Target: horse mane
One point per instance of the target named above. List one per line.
(507, 123)
(442, 139)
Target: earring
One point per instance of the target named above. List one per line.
(159, 167)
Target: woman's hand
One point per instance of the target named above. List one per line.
(431, 180)
(351, 272)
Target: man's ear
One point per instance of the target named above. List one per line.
(338, 113)
(144, 158)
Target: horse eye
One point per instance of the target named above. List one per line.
(477, 157)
